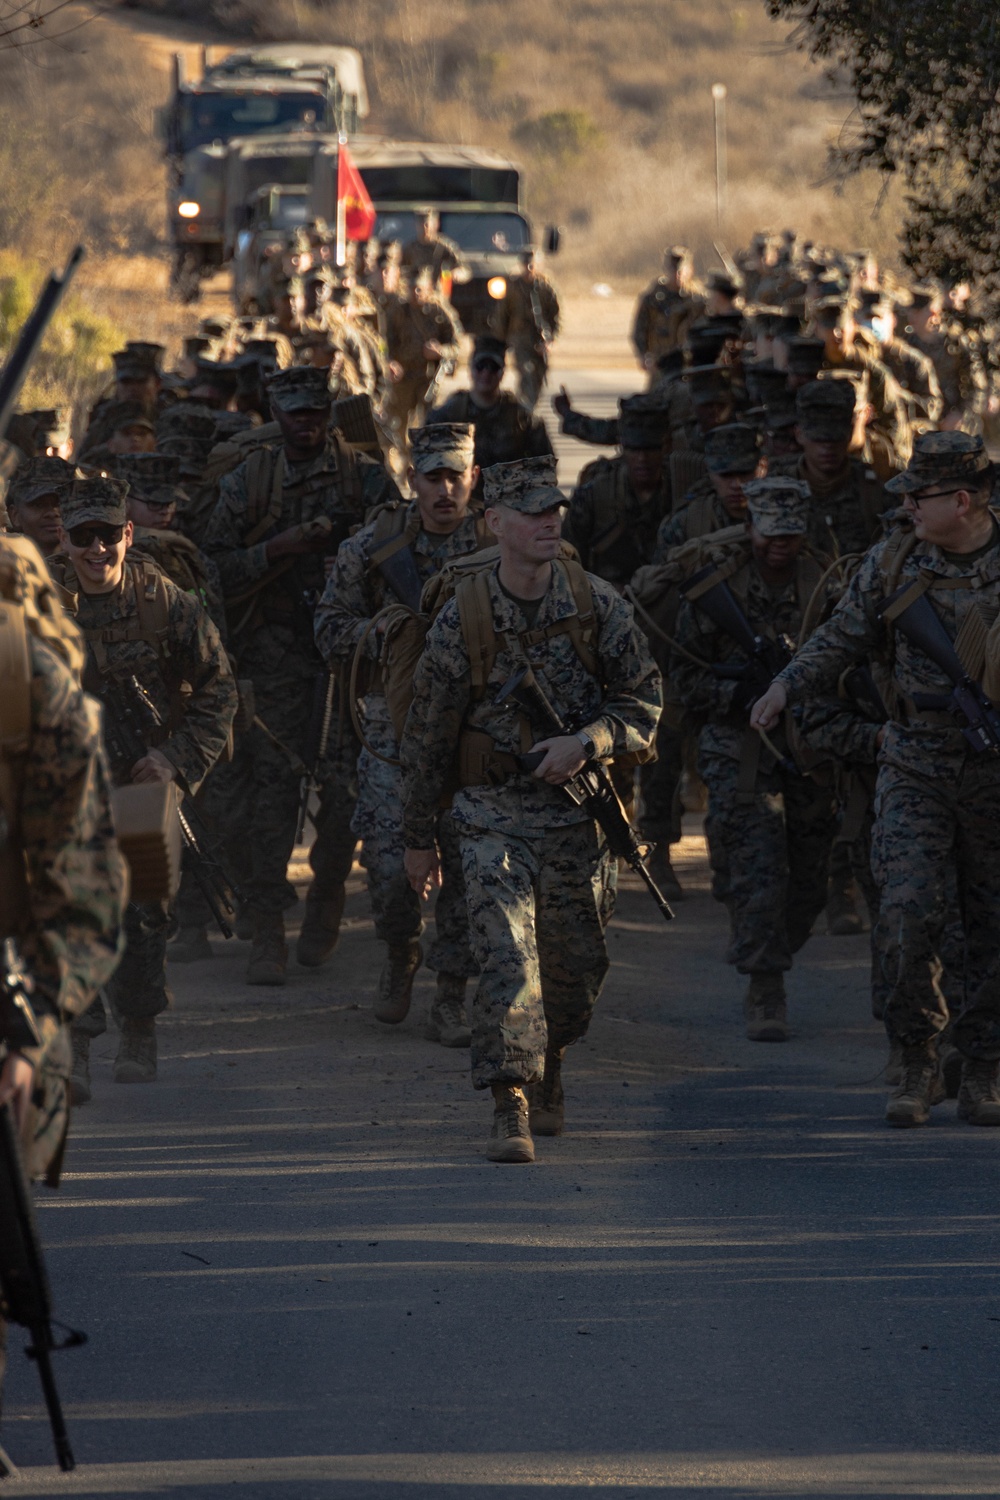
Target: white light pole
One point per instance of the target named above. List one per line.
(719, 92)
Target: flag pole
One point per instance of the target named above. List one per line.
(341, 209)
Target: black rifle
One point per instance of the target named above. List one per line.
(591, 788)
(765, 657)
(24, 1285)
(317, 740)
(18, 362)
(968, 705)
(131, 724)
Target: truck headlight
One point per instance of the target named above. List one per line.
(189, 210)
(497, 287)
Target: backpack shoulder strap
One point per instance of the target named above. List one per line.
(347, 464)
(15, 737)
(583, 628)
(393, 532)
(475, 615)
(152, 606)
(265, 482)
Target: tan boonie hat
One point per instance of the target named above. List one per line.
(442, 445)
(778, 507)
(526, 484)
(942, 456)
(299, 388)
(39, 476)
(94, 499)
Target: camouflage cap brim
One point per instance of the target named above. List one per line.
(536, 502)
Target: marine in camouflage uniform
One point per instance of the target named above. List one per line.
(280, 515)
(422, 333)
(528, 323)
(141, 627)
(715, 503)
(63, 883)
(937, 798)
(355, 593)
(33, 500)
(669, 393)
(505, 430)
(432, 254)
(665, 311)
(769, 828)
(539, 878)
(955, 354)
(848, 497)
(888, 436)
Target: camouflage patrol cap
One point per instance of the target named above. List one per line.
(195, 344)
(726, 285)
(36, 477)
(221, 374)
(487, 347)
(778, 507)
(124, 414)
(526, 484)
(825, 409)
(93, 498)
(706, 340)
(148, 354)
(764, 382)
(185, 418)
(643, 421)
(805, 356)
(708, 384)
(146, 472)
(132, 366)
(442, 445)
(732, 449)
(299, 388)
(942, 456)
(190, 452)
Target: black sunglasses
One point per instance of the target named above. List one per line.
(83, 536)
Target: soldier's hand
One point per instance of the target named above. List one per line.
(432, 349)
(308, 536)
(395, 371)
(423, 870)
(154, 767)
(768, 710)
(561, 404)
(17, 1078)
(563, 758)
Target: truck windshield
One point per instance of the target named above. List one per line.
(475, 233)
(219, 117)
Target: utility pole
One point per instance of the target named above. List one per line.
(719, 92)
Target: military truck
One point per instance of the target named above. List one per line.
(477, 193)
(250, 92)
(278, 160)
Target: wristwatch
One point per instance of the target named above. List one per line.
(589, 748)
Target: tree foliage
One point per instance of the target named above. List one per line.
(925, 74)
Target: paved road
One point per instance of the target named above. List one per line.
(302, 1279)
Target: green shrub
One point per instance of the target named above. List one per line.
(73, 363)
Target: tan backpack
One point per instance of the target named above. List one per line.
(466, 580)
(29, 606)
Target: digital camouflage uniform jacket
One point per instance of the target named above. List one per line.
(771, 612)
(355, 592)
(619, 716)
(701, 513)
(611, 528)
(854, 633)
(310, 490)
(190, 682)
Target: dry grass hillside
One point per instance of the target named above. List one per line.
(608, 107)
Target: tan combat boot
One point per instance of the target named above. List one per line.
(978, 1097)
(136, 1060)
(765, 1009)
(190, 946)
(547, 1104)
(510, 1138)
(446, 1019)
(919, 1089)
(269, 955)
(320, 928)
(395, 983)
(79, 1078)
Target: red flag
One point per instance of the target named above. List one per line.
(353, 199)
